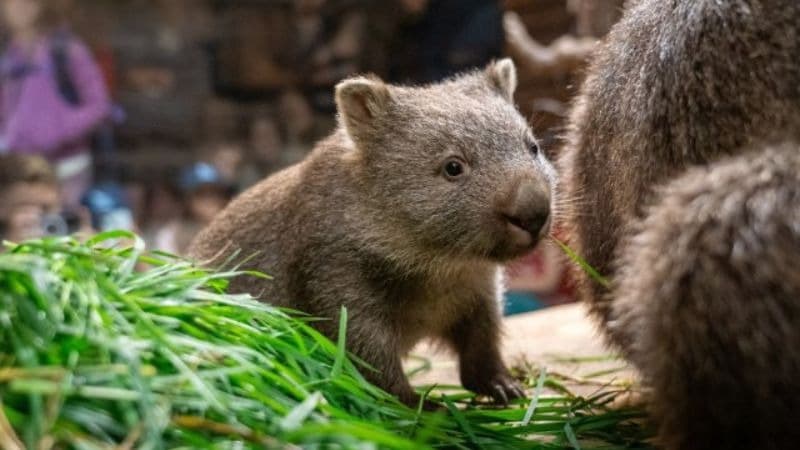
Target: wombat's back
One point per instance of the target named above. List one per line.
(252, 231)
(277, 226)
(677, 83)
(708, 302)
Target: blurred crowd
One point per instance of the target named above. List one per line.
(66, 164)
(58, 117)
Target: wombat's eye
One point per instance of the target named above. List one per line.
(533, 147)
(453, 168)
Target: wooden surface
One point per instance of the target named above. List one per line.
(561, 338)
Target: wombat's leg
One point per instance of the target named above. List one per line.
(370, 334)
(376, 346)
(374, 342)
(476, 339)
(382, 354)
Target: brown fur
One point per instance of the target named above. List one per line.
(676, 83)
(680, 84)
(369, 221)
(708, 301)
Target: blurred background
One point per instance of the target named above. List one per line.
(150, 115)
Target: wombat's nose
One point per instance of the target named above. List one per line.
(530, 208)
(532, 223)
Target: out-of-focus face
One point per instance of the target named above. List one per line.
(227, 159)
(41, 195)
(414, 7)
(206, 203)
(24, 205)
(22, 15)
(265, 139)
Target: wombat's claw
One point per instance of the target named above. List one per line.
(503, 389)
(500, 394)
(507, 392)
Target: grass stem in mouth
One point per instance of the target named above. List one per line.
(585, 266)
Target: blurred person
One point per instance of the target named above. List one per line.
(298, 117)
(228, 158)
(301, 125)
(439, 38)
(332, 34)
(205, 193)
(52, 93)
(267, 143)
(235, 164)
(329, 45)
(30, 203)
(161, 205)
(109, 207)
(136, 194)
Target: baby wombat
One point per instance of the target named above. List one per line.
(679, 84)
(402, 215)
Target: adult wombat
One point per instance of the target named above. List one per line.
(680, 84)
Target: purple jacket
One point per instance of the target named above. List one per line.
(34, 117)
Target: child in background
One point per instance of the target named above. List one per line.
(205, 194)
(159, 209)
(30, 204)
(52, 94)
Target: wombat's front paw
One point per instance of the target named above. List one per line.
(502, 387)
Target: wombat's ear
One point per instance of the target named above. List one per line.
(502, 75)
(360, 101)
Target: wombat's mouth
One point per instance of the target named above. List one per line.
(520, 236)
(527, 230)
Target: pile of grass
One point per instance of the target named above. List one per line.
(106, 346)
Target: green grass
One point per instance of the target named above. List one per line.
(106, 346)
(580, 262)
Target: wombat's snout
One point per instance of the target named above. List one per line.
(527, 212)
(534, 224)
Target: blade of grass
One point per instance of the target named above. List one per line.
(341, 351)
(536, 394)
(300, 413)
(585, 266)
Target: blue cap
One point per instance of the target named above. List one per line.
(104, 198)
(108, 207)
(197, 175)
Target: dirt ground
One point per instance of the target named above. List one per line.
(561, 339)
